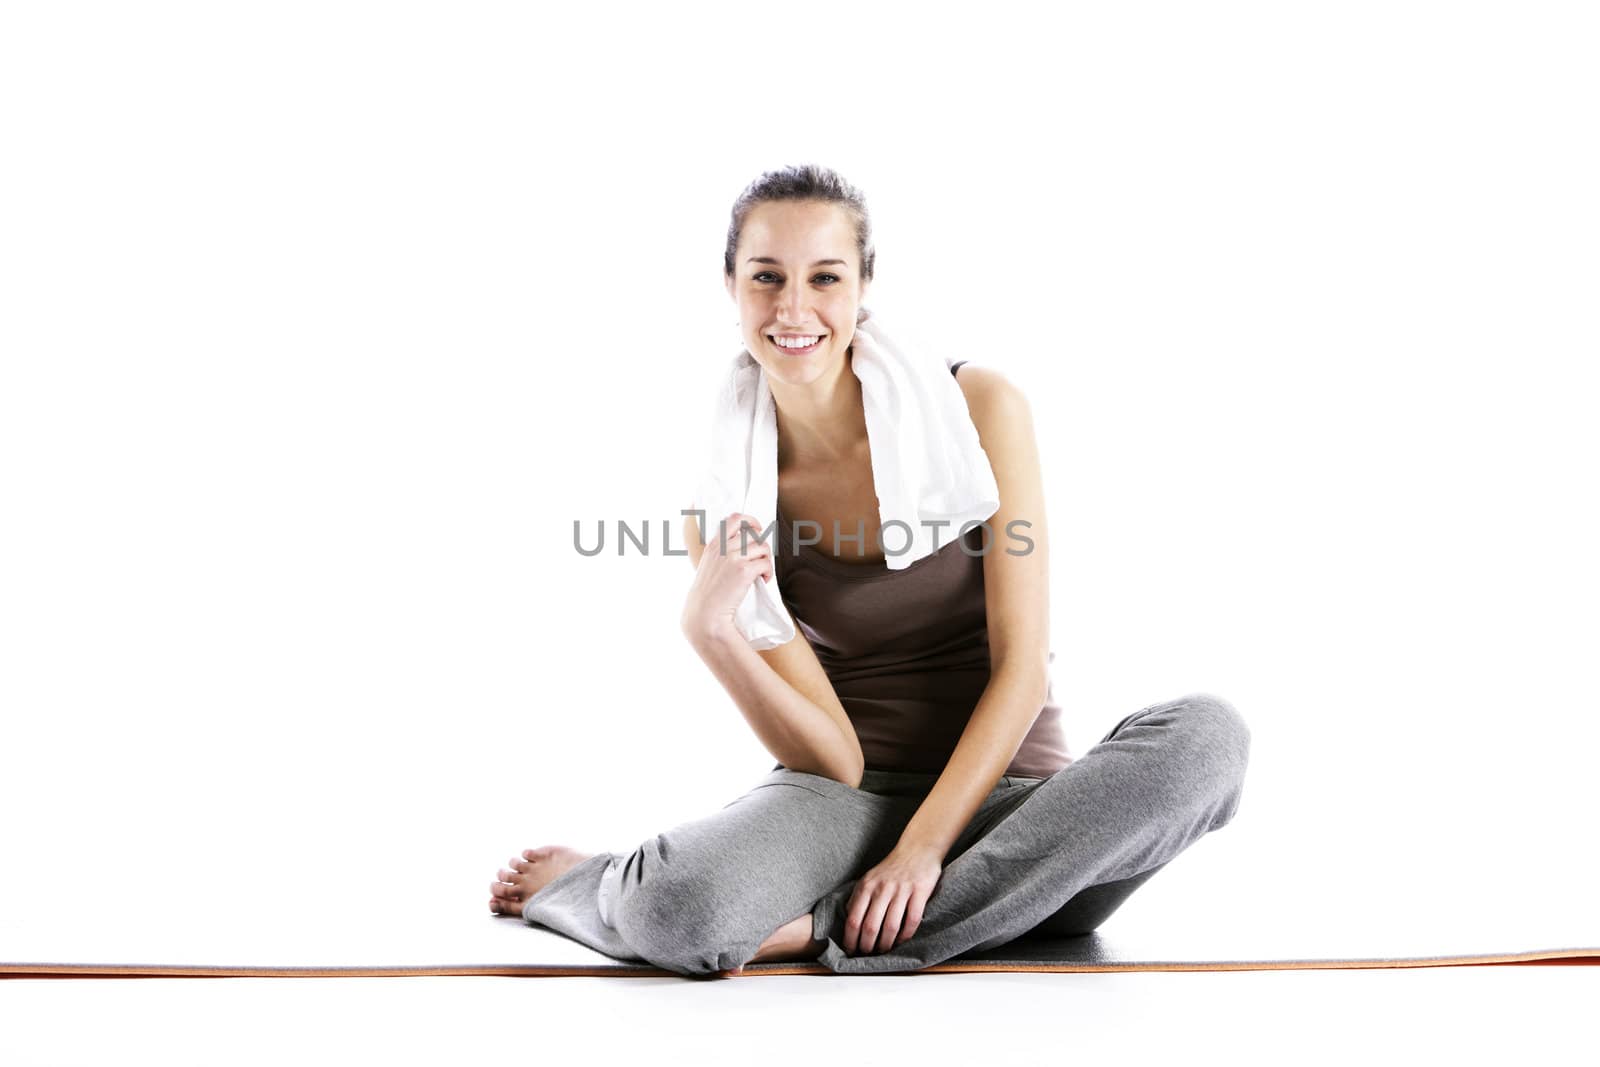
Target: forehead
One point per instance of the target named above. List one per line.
(797, 227)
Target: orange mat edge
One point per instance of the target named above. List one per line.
(1578, 956)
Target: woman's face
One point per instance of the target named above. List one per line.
(797, 275)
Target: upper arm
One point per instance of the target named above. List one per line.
(1016, 574)
(794, 661)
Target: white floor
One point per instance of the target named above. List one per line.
(1455, 1014)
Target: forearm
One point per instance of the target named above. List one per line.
(801, 735)
(1003, 717)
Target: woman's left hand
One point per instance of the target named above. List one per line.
(886, 907)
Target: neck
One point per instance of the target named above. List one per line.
(822, 421)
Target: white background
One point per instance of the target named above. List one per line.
(321, 324)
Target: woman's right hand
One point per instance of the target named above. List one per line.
(728, 565)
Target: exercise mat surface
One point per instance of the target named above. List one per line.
(374, 944)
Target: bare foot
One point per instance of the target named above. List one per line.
(537, 868)
(791, 941)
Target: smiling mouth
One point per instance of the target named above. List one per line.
(794, 351)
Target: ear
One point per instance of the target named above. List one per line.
(727, 283)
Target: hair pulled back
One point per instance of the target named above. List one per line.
(804, 182)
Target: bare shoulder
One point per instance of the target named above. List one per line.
(993, 400)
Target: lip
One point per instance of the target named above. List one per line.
(797, 351)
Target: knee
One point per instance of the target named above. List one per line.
(676, 920)
(1220, 733)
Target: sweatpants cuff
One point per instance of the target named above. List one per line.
(827, 925)
(570, 906)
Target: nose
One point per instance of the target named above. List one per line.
(793, 304)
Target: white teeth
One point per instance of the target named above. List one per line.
(796, 342)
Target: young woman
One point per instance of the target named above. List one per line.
(924, 803)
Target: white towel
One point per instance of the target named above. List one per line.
(927, 463)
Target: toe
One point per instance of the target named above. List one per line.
(508, 876)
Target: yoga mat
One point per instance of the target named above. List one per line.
(369, 944)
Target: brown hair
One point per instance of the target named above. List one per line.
(805, 182)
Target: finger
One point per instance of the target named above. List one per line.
(757, 552)
(852, 919)
(914, 908)
(751, 548)
(872, 922)
(892, 916)
(742, 543)
(748, 533)
(893, 913)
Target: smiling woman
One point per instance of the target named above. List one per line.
(924, 803)
(798, 301)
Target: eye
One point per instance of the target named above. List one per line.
(771, 275)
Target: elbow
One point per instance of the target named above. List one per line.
(855, 761)
(1032, 679)
(853, 779)
(856, 769)
(1042, 688)
(846, 769)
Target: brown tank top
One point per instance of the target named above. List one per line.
(907, 651)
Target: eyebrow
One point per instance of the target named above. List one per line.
(775, 263)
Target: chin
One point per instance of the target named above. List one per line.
(799, 371)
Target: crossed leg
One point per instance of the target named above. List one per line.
(704, 896)
(1054, 856)
(1160, 780)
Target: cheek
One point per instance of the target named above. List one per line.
(842, 310)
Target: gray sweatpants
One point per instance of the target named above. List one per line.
(1047, 856)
